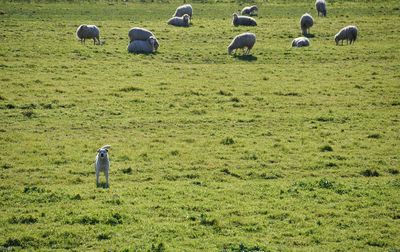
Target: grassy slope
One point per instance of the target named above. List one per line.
(173, 181)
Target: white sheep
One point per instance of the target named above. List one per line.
(300, 42)
(102, 164)
(182, 10)
(250, 10)
(306, 22)
(180, 21)
(88, 32)
(244, 40)
(320, 5)
(137, 33)
(142, 46)
(348, 33)
(243, 20)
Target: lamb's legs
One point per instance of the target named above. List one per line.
(97, 179)
(106, 172)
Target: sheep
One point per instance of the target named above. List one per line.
(306, 22)
(142, 46)
(243, 20)
(320, 5)
(182, 10)
(137, 33)
(180, 21)
(347, 33)
(250, 10)
(88, 32)
(244, 40)
(300, 42)
(102, 163)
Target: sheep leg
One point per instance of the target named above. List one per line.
(97, 178)
(106, 172)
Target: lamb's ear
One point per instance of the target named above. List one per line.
(107, 150)
(98, 150)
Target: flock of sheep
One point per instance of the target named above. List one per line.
(144, 41)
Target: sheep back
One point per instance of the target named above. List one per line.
(182, 10)
(300, 42)
(320, 5)
(142, 46)
(87, 32)
(249, 10)
(306, 22)
(137, 33)
(243, 20)
(241, 41)
(348, 33)
(179, 21)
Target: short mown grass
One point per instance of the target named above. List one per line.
(286, 149)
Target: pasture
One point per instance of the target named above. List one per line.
(285, 149)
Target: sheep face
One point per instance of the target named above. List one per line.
(102, 153)
(186, 18)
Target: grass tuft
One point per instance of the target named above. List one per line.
(370, 173)
(227, 141)
(326, 148)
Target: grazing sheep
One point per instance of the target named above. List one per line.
(306, 22)
(320, 5)
(137, 33)
(243, 20)
(347, 33)
(102, 163)
(182, 10)
(250, 10)
(300, 42)
(142, 46)
(88, 32)
(180, 21)
(244, 40)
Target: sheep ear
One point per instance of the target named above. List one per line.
(98, 150)
(107, 150)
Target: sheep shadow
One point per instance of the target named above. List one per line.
(245, 57)
(144, 53)
(102, 185)
(309, 35)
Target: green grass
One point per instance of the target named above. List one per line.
(289, 149)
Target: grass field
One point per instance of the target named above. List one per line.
(287, 149)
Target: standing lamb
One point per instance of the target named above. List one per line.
(300, 42)
(320, 5)
(137, 33)
(142, 46)
(243, 20)
(347, 33)
(88, 32)
(306, 22)
(250, 10)
(180, 21)
(182, 10)
(244, 40)
(102, 164)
